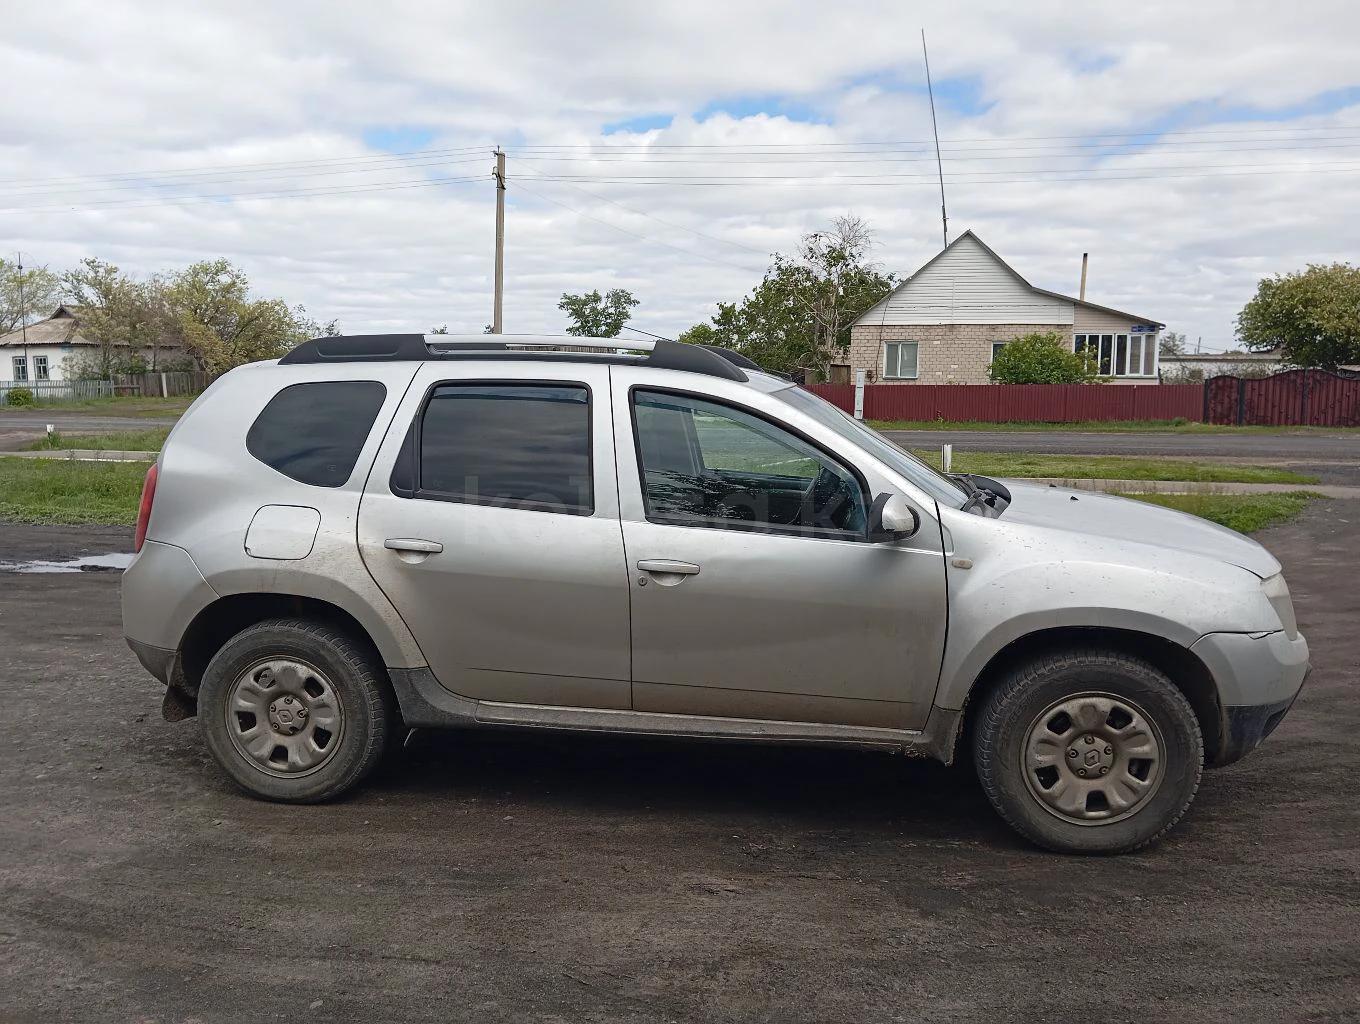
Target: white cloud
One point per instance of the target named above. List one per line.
(108, 89)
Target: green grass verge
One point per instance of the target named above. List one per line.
(1102, 427)
(1110, 467)
(118, 441)
(107, 406)
(1244, 513)
(57, 491)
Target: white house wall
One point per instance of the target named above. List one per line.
(967, 285)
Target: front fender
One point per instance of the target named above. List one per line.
(997, 601)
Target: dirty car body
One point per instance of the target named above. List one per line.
(389, 532)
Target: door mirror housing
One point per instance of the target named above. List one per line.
(891, 518)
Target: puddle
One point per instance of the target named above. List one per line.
(116, 562)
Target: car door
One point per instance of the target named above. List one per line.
(490, 520)
(755, 592)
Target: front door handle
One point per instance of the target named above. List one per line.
(413, 544)
(668, 565)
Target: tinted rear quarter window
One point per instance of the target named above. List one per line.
(314, 432)
(519, 445)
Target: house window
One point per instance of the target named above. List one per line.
(21, 368)
(1118, 355)
(997, 346)
(899, 360)
(40, 367)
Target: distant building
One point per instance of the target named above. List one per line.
(943, 324)
(47, 350)
(1191, 366)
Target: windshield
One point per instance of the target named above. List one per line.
(932, 481)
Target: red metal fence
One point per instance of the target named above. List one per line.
(1020, 403)
(1293, 398)
(1313, 398)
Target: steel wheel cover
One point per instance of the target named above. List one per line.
(1093, 758)
(284, 717)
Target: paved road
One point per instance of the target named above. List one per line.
(18, 429)
(1303, 447)
(534, 878)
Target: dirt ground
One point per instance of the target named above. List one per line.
(488, 877)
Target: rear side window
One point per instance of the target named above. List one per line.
(314, 432)
(515, 445)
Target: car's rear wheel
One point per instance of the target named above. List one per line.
(1089, 751)
(295, 710)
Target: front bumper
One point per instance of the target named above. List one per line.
(1258, 679)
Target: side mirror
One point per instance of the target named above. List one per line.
(892, 518)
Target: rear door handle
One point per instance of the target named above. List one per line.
(424, 547)
(668, 565)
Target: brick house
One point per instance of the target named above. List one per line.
(943, 323)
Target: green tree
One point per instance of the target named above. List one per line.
(798, 318)
(1171, 344)
(1039, 358)
(1312, 316)
(41, 295)
(593, 315)
(221, 326)
(128, 319)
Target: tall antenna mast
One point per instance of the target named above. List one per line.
(939, 164)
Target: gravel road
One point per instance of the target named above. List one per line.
(507, 877)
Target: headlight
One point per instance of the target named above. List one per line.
(1277, 593)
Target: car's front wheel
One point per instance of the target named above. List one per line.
(1090, 751)
(295, 710)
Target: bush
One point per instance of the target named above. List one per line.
(19, 396)
(1040, 359)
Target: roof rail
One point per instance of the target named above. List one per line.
(664, 355)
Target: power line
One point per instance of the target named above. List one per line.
(669, 224)
(143, 184)
(644, 238)
(219, 168)
(313, 193)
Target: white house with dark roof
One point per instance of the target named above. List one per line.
(943, 324)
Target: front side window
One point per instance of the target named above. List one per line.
(313, 433)
(20, 368)
(40, 367)
(899, 360)
(997, 346)
(712, 465)
(507, 444)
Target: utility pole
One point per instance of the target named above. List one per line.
(939, 164)
(499, 175)
(23, 318)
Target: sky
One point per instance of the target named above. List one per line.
(341, 154)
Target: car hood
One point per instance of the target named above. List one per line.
(1126, 520)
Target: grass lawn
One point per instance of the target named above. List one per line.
(1110, 467)
(57, 491)
(108, 406)
(1103, 427)
(118, 441)
(1244, 513)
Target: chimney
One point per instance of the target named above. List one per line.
(1082, 294)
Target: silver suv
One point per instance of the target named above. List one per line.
(379, 533)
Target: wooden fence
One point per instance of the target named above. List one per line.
(162, 385)
(44, 391)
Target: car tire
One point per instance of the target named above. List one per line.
(1062, 728)
(296, 711)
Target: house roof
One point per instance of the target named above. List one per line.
(968, 234)
(61, 328)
